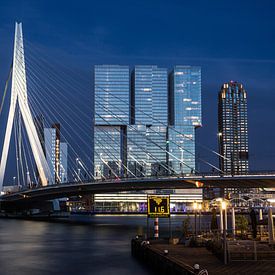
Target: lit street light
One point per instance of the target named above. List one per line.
(223, 207)
(195, 206)
(200, 208)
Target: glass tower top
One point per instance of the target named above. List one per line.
(185, 96)
(233, 132)
(112, 93)
(149, 95)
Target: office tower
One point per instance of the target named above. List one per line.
(56, 154)
(131, 136)
(149, 95)
(111, 117)
(63, 162)
(184, 117)
(232, 125)
(146, 136)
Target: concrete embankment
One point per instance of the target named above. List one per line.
(159, 260)
(166, 259)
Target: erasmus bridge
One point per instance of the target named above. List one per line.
(27, 101)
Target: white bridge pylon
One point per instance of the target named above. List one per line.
(19, 94)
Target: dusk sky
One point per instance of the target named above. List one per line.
(230, 40)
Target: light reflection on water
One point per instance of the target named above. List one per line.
(102, 247)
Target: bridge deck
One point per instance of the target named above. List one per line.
(73, 189)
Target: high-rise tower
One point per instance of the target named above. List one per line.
(232, 125)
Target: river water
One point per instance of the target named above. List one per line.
(101, 247)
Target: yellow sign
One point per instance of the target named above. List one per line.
(158, 206)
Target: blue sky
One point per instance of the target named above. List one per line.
(230, 40)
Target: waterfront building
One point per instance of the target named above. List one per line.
(56, 154)
(232, 127)
(63, 162)
(111, 117)
(149, 95)
(140, 132)
(184, 116)
(149, 116)
(184, 119)
(232, 131)
(112, 95)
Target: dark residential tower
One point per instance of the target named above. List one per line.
(232, 125)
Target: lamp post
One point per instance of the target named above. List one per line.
(195, 206)
(233, 222)
(223, 207)
(200, 207)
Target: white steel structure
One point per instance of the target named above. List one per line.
(19, 94)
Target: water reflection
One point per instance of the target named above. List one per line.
(50, 248)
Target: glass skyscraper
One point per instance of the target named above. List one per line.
(112, 86)
(184, 116)
(145, 129)
(233, 133)
(111, 116)
(56, 153)
(149, 95)
(149, 117)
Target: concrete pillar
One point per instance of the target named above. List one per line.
(221, 219)
(270, 226)
(233, 222)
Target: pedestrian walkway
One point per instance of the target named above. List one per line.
(203, 257)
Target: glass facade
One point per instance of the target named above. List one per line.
(140, 132)
(56, 153)
(111, 115)
(185, 96)
(147, 137)
(107, 151)
(146, 150)
(149, 95)
(184, 116)
(233, 133)
(112, 86)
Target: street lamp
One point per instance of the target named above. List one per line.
(195, 206)
(223, 207)
(14, 178)
(200, 208)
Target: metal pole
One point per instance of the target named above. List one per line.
(261, 218)
(147, 237)
(233, 222)
(224, 242)
(221, 219)
(270, 226)
(196, 223)
(200, 222)
(156, 228)
(170, 229)
(225, 219)
(261, 214)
